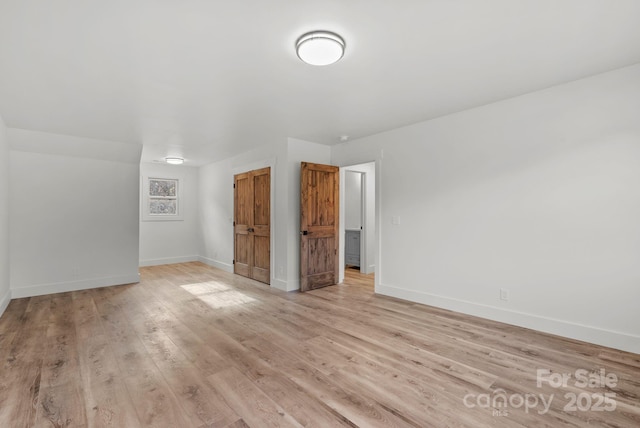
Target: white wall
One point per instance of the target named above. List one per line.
(216, 215)
(352, 200)
(74, 220)
(216, 205)
(164, 242)
(537, 195)
(5, 291)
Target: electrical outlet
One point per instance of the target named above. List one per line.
(504, 294)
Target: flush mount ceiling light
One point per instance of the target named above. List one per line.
(174, 161)
(320, 47)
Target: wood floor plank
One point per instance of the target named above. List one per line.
(194, 346)
(302, 407)
(192, 392)
(22, 363)
(353, 405)
(238, 424)
(61, 353)
(370, 331)
(20, 392)
(107, 401)
(154, 401)
(86, 316)
(61, 405)
(253, 405)
(14, 316)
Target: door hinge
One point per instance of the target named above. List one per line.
(234, 185)
(234, 223)
(234, 262)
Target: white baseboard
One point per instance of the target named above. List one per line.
(63, 287)
(217, 264)
(280, 284)
(370, 269)
(275, 283)
(4, 301)
(293, 285)
(285, 285)
(613, 339)
(169, 260)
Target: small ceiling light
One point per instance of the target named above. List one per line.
(174, 161)
(320, 48)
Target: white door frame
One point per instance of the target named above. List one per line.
(364, 256)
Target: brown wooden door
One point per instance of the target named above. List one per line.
(319, 216)
(252, 225)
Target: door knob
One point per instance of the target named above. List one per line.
(304, 232)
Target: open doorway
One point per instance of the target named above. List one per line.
(357, 220)
(354, 221)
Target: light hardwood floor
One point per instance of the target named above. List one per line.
(192, 346)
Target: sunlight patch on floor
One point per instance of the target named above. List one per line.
(217, 295)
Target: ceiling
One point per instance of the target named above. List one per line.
(207, 79)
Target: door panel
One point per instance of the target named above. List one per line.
(261, 190)
(252, 228)
(241, 265)
(321, 199)
(242, 199)
(241, 225)
(261, 260)
(319, 187)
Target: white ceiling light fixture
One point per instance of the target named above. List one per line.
(174, 161)
(320, 47)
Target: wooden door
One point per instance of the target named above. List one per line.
(319, 217)
(252, 224)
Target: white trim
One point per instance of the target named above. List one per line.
(63, 287)
(364, 254)
(280, 284)
(216, 264)
(375, 267)
(378, 191)
(284, 285)
(4, 301)
(251, 166)
(341, 221)
(293, 284)
(272, 220)
(613, 339)
(144, 200)
(169, 260)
